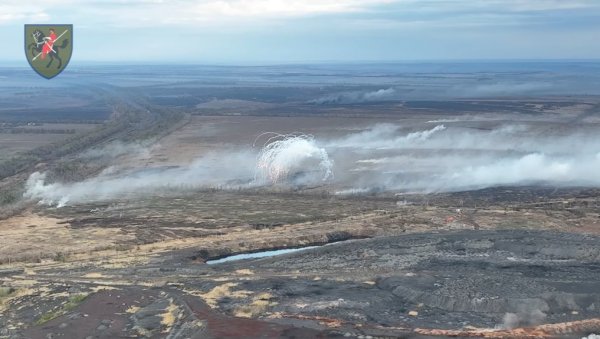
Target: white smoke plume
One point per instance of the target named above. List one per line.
(387, 157)
(293, 157)
(527, 316)
(385, 136)
(211, 171)
(356, 97)
(290, 159)
(384, 157)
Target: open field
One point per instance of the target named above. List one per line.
(449, 215)
(25, 138)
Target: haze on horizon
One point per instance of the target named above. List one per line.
(283, 31)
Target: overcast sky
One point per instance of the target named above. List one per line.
(283, 31)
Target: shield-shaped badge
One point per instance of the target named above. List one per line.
(48, 48)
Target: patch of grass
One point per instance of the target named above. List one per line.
(6, 291)
(260, 304)
(73, 302)
(76, 299)
(223, 291)
(60, 257)
(46, 317)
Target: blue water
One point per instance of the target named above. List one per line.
(263, 254)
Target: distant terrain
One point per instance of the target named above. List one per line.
(451, 199)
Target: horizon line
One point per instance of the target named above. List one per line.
(17, 63)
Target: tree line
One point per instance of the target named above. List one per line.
(130, 122)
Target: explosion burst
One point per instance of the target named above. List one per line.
(293, 157)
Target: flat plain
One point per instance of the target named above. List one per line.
(409, 236)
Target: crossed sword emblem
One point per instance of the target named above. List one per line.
(51, 47)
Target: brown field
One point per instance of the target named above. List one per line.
(210, 133)
(11, 144)
(136, 264)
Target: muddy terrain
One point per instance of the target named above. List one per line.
(394, 286)
(387, 269)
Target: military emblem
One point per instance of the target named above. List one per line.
(48, 48)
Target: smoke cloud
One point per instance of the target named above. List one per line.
(211, 171)
(383, 157)
(356, 97)
(514, 320)
(284, 159)
(386, 157)
(296, 157)
(385, 136)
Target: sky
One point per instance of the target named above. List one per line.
(305, 31)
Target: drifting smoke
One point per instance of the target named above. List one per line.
(439, 121)
(385, 136)
(458, 158)
(502, 89)
(379, 94)
(527, 316)
(293, 157)
(356, 97)
(211, 171)
(384, 157)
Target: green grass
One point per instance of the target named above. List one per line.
(73, 302)
(76, 299)
(46, 317)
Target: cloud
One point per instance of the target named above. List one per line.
(187, 12)
(275, 31)
(465, 14)
(547, 5)
(278, 8)
(21, 12)
(177, 12)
